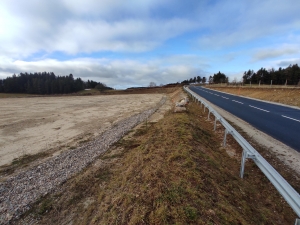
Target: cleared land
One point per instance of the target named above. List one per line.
(40, 124)
(170, 172)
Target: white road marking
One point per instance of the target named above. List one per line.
(224, 97)
(259, 108)
(237, 101)
(290, 118)
(216, 94)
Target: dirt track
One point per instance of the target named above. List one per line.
(32, 125)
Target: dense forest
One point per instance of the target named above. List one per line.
(216, 78)
(288, 76)
(197, 79)
(46, 83)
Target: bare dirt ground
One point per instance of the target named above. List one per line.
(33, 125)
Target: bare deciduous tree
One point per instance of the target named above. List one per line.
(152, 84)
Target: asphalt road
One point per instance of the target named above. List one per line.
(280, 122)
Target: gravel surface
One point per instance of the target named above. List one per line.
(18, 193)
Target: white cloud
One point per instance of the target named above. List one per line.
(185, 59)
(273, 52)
(238, 76)
(112, 9)
(126, 35)
(75, 27)
(228, 33)
(239, 23)
(115, 73)
(285, 62)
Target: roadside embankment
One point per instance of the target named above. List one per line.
(174, 171)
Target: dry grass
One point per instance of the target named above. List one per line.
(154, 90)
(15, 95)
(21, 162)
(171, 172)
(288, 96)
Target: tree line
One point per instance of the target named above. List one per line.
(197, 79)
(216, 78)
(287, 76)
(46, 83)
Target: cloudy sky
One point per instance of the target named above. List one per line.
(126, 43)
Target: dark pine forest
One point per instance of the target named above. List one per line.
(282, 76)
(46, 83)
(288, 76)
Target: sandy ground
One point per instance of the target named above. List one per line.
(286, 154)
(32, 125)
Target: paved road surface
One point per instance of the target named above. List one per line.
(280, 122)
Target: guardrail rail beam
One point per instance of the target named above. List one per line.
(285, 189)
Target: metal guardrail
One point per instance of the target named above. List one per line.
(285, 189)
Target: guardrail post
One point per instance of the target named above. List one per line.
(245, 155)
(297, 222)
(243, 164)
(215, 126)
(208, 115)
(225, 135)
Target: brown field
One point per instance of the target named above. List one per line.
(172, 171)
(30, 125)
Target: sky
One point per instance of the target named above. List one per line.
(130, 43)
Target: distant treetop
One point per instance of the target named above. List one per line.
(45, 83)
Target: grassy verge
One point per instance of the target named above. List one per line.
(171, 172)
